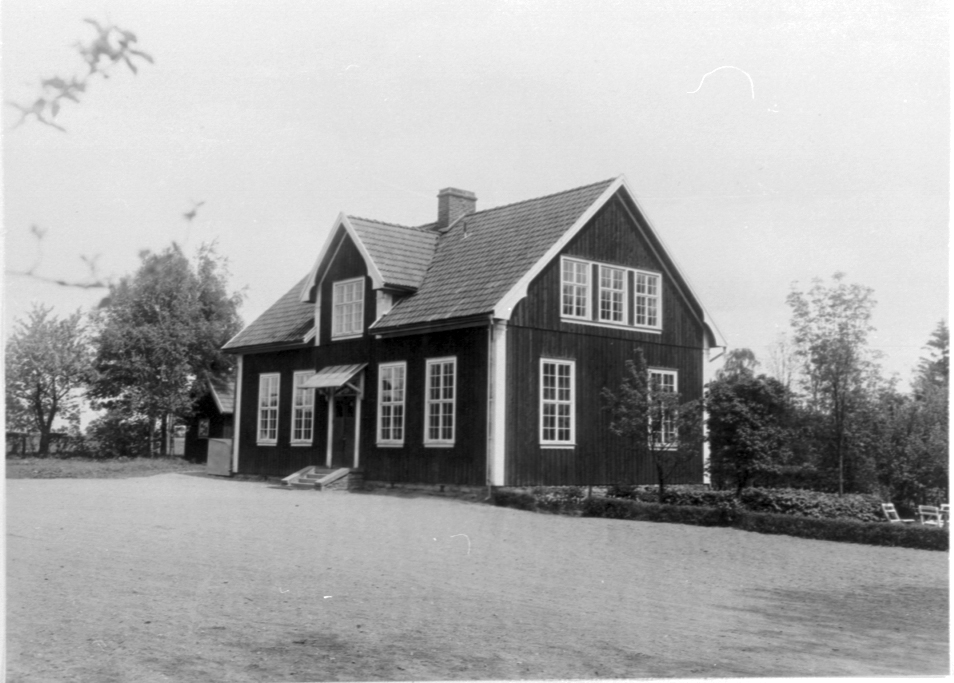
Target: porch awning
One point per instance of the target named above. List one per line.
(333, 376)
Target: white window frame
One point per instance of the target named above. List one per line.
(303, 408)
(265, 381)
(656, 298)
(669, 421)
(385, 369)
(595, 317)
(544, 401)
(430, 402)
(351, 310)
(624, 293)
(587, 296)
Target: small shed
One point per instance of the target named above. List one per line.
(213, 418)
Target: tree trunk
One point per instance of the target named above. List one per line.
(661, 477)
(163, 441)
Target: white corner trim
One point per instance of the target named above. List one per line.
(498, 442)
(237, 419)
(341, 222)
(505, 306)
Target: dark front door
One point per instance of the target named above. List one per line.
(342, 444)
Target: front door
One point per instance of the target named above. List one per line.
(342, 435)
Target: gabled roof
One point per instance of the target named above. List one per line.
(484, 255)
(223, 392)
(287, 321)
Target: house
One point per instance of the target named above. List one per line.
(212, 418)
(472, 350)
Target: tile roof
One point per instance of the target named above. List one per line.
(224, 392)
(287, 321)
(402, 254)
(484, 254)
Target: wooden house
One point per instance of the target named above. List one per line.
(473, 350)
(213, 418)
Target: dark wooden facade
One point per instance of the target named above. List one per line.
(537, 331)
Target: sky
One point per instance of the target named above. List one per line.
(768, 143)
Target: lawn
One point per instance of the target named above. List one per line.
(187, 578)
(86, 468)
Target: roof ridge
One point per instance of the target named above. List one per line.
(546, 196)
(387, 223)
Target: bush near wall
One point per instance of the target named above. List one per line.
(729, 513)
(814, 504)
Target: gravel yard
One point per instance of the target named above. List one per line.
(187, 578)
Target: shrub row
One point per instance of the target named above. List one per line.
(729, 513)
(801, 502)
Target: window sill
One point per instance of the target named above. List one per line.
(612, 326)
(558, 446)
(302, 443)
(438, 444)
(346, 336)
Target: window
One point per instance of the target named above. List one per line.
(204, 428)
(612, 294)
(647, 300)
(556, 402)
(303, 408)
(391, 389)
(441, 396)
(348, 309)
(663, 429)
(576, 291)
(268, 408)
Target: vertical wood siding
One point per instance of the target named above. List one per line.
(600, 353)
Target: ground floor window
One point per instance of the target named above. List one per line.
(303, 409)
(557, 402)
(268, 385)
(391, 394)
(662, 427)
(441, 397)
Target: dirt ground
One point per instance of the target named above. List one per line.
(185, 578)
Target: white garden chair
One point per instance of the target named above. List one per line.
(929, 514)
(893, 516)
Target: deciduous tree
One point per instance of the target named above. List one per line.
(654, 420)
(160, 334)
(47, 364)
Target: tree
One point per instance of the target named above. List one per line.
(47, 363)
(782, 361)
(160, 334)
(749, 428)
(651, 417)
(831, 326)
(935, 370)
(738, 363)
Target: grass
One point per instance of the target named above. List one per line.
(88, 468)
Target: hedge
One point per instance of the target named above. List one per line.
(814, 504)
(730, 514)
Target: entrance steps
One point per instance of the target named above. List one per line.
(318, 478)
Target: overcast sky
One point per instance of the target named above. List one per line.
(824, 147)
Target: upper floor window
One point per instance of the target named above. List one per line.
(348, 309)
(268, 386)
(303, 409)
(391, 391)
(441, 398)
(647, 299)
(612, 296)
(576, 289)
(557, 402)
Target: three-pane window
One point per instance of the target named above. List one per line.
(268, 386)
(348, 308)
(612, 294)
(391, 394)
(576, 289)
(303, 412)
(557, 402)
(441, 396)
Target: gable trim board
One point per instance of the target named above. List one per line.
(341, 222)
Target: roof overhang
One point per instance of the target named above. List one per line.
(433, 326)
(315, 276)
(333, 376)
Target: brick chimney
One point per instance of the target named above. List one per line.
(452, 204)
